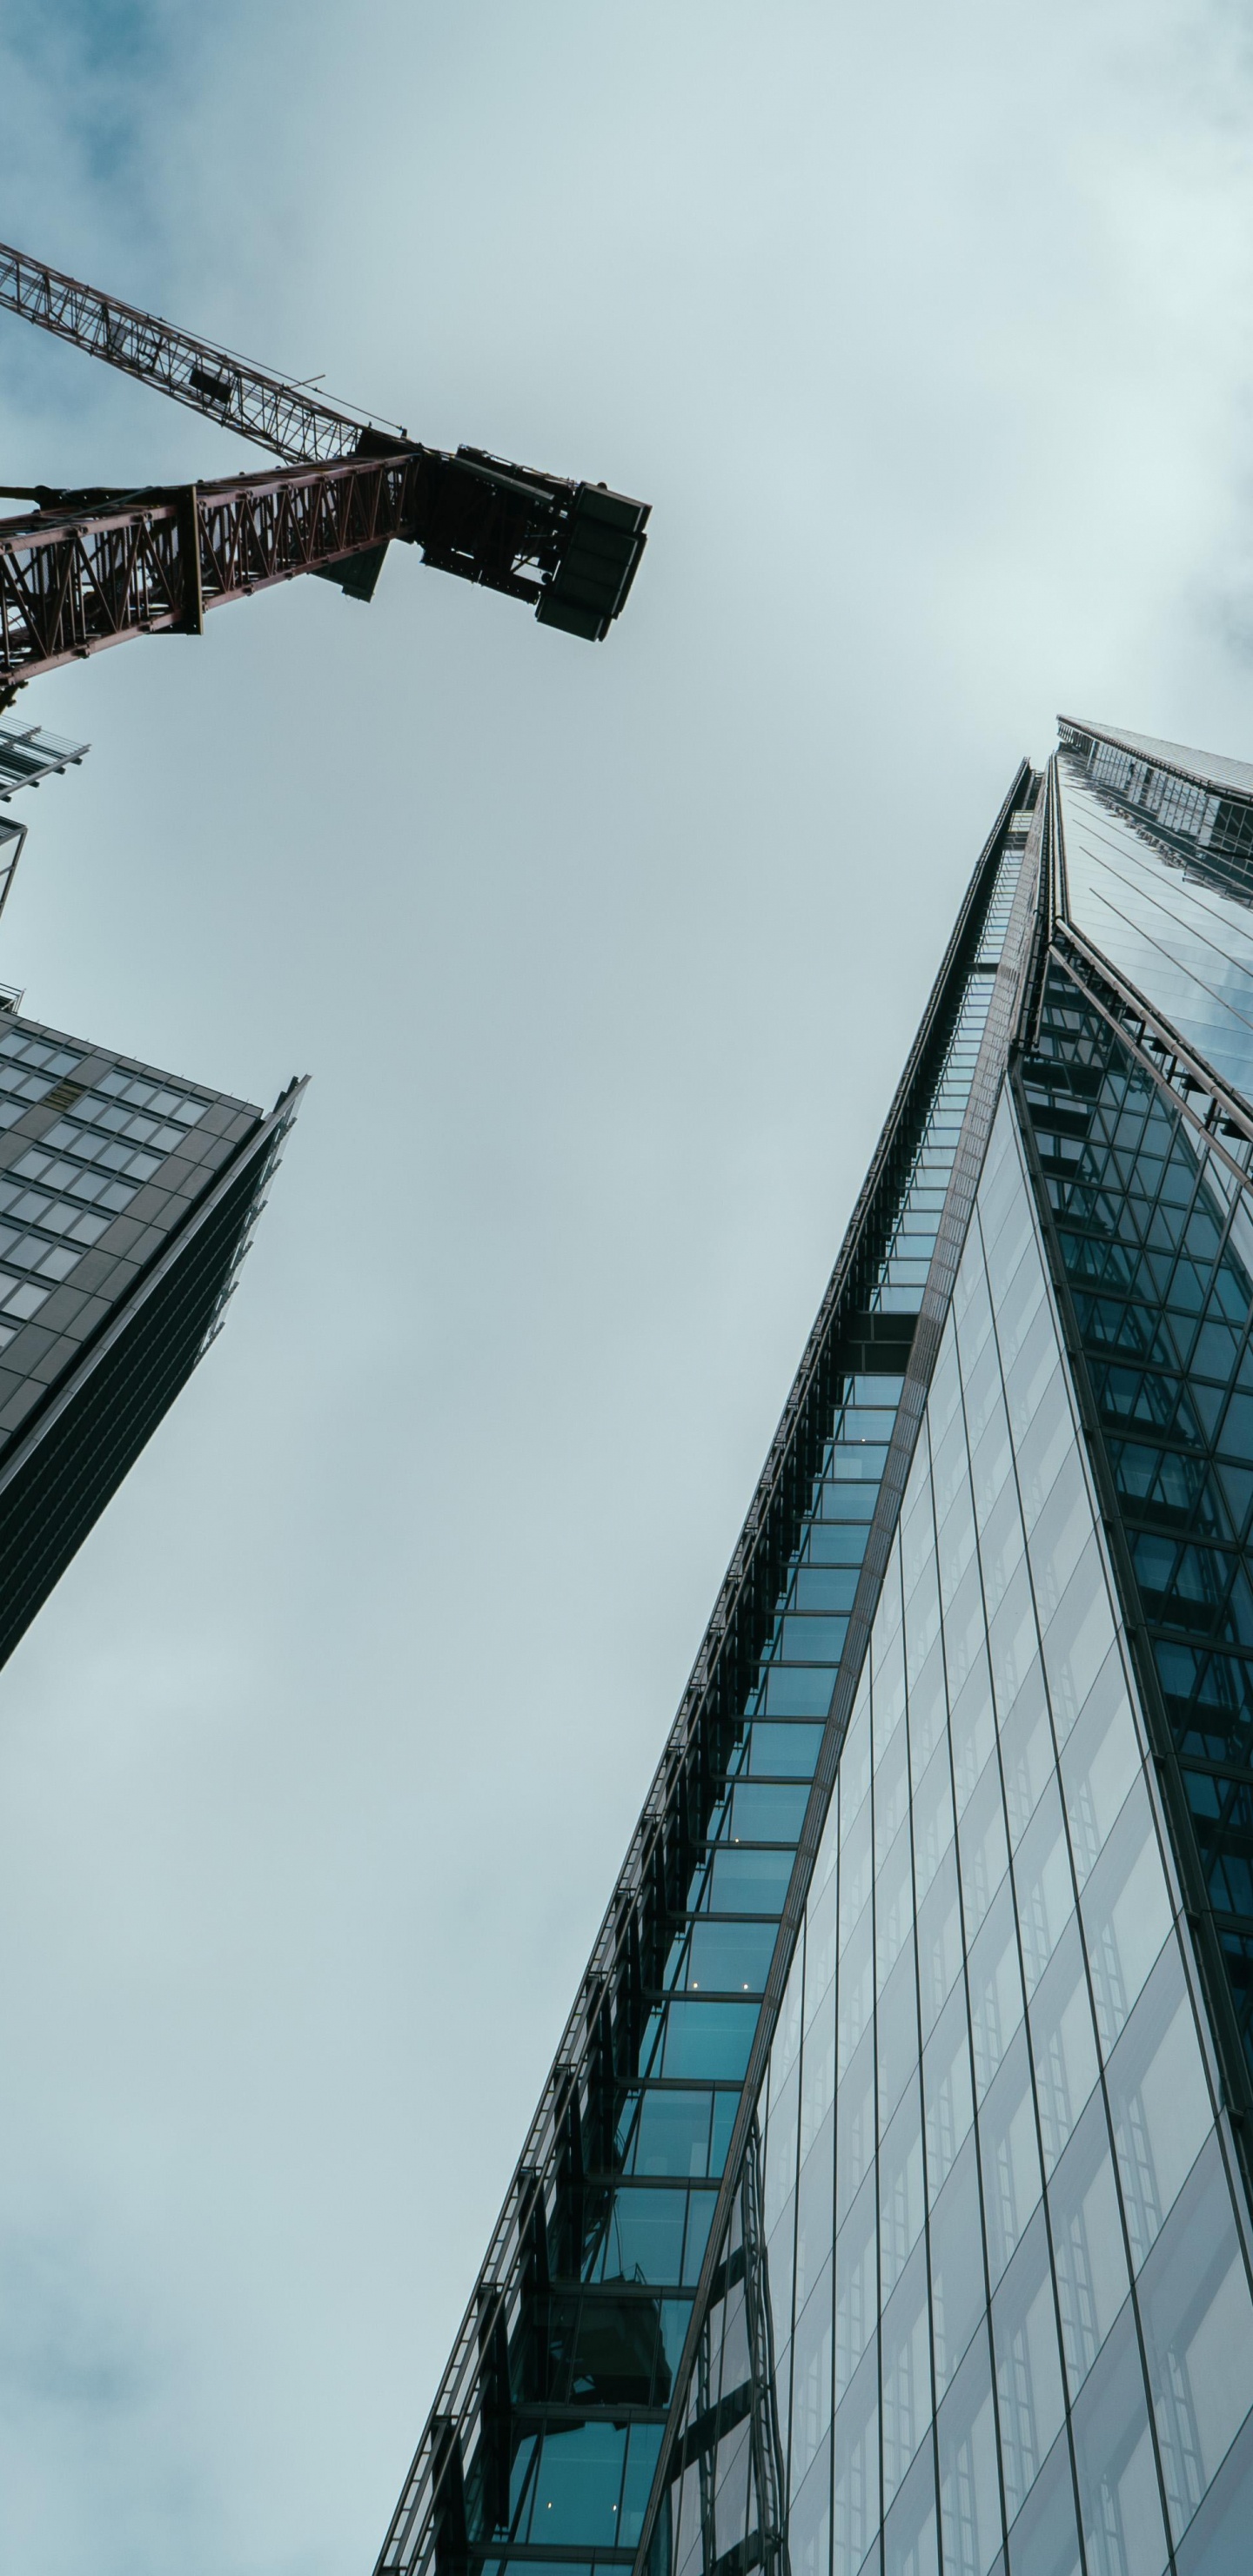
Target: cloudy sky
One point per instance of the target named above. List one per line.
(927, 334)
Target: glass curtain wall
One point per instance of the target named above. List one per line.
(999, 2244)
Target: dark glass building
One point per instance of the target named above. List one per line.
(127, 1202)
(888, 2204)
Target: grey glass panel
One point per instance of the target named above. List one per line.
(809, 2518)
(855, 1989)
(1198, 2335)
(821, 1949)
(856, 2285)
(911, 2535)
(901, 2189)
(939, 1938)
(1087, 2242)
(817, 2076)
(782, 2144)
(897, 2032)
(1063, 2044)
(1028, 2365)
(948, 2090)
(1099, 1764)
(894, 1903)
(984, 1845)
(1027, 1754)
(1044, 1885)
(973, 1731)
(996, 2002)
(906, 2371)
(1119, 2498)
(855, 2518)
(855, 2125)
(811, 2376)
(970, 2505)
(958, 2293)
(1217, 2542)
(1078, 1636)
(1126, 1913)
(815, 2209)
(1159, 2101)
(1044, 2540)
(1012, 2179)
(932, 1814)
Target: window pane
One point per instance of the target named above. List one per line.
(1126, 1913)
(1099, 1764)
(910, 2540)
(996, 2004)
(948, 2091)
(1028, 2365)
(1087, 2242)
(1063, 2044)
(970, 2511)
(811, 2376)
(1198, 2334)
(1159, 2101)
(1046, 1894)
(1044, 2541)
(957, 2282)
(901, 2194)
(906, 2369)
(856, 2511)
(1012, 2180)
(1118, 2492)
(1217, 2543)
(856, 2285)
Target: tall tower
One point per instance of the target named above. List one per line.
(888, 2204)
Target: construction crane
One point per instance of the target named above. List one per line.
(83, 569)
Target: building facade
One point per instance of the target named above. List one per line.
(128, 1197)
(888, 2206)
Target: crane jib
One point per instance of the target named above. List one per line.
(96, 566)
(86, 570)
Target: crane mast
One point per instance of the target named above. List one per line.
(84, 569)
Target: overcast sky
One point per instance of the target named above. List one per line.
(926, 331)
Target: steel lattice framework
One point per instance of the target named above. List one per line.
(89, 569)
(210, 379)
(92, 567)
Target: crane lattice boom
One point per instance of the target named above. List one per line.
(299, 427)
(94, 566)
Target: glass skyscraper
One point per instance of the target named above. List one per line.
(888, 2204)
